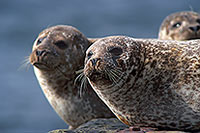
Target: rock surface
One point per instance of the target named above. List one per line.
(112, 125)
(96, 126)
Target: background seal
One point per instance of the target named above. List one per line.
(180, 26)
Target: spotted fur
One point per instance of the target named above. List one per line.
(57, 54)
(159, 84)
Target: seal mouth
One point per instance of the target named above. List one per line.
(192, 38)
(95, 75)
(102, 76)
(41, 66)
(195, 35)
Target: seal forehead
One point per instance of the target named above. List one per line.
(108, 43)
(67, 31)
(71, 35)
(182, 16)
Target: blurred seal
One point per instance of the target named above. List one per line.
(180, 26)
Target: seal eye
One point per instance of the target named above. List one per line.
(176, 25)
(198, 21)
(40, 40)
(116, 51)
(89, 54)
(61, 44)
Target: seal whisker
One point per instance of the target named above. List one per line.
(81, 78)
(83, 85)
(113, 77)
(78, 78)
(118, 71)
(119, 74)
(25, 64)
(116, 74)
(110, 77)
(79, 71)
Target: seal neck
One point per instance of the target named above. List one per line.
(56, 82)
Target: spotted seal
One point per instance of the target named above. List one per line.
(180, 26)
(57, 54)
(147, 82)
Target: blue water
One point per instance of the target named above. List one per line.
(23, 107)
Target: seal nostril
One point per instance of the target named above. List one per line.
(195, 28)
(191, 28)
(39, 53)
(94, 61)
(198, 27)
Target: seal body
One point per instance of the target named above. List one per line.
(57, 54)
(147, 83)
(180, 26)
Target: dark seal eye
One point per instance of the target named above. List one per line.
(116, 51)
(198, 21)
(40, 40)
(61, 44)
(89, 55)
(176, 25)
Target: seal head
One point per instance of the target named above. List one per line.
(106, 61)
(180, 26)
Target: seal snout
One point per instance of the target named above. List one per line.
(93, 68)
(94, 61)
(39, 52)
(195, 28)
(42, 59)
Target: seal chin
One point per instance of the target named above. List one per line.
(99, 77)
(196, 36)
(189, 35)
(44, 60)
(41, 66)
(94, 75)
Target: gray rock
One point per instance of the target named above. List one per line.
(111, 125)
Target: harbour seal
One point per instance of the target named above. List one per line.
(147, 82)
(180, 26)
(57, 54)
